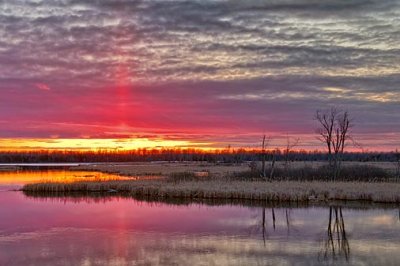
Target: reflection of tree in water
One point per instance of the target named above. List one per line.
(273, 217)
(336, 245)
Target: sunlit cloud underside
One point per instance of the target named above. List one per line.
(199, 71)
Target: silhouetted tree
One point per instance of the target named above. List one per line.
(290, 144)
(397, 157)
(334, 133)
(264, 144)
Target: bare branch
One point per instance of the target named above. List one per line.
(335, 125)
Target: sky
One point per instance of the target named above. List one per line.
(198, 73)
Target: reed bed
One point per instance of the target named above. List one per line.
(276, 191)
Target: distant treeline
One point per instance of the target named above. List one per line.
(223, 156)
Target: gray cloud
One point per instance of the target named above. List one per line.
(212, 59)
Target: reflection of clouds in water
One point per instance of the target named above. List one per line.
(384, 220)
(375, 246)
(239, 221)
(124, 231)
(83, 246)
(105, 247)
(373, 221)
(35, 235)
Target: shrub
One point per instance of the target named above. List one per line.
(188, 176)
(322, 173)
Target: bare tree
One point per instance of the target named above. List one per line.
(264, 144)
(326, 119)
(266, 140)
(271, 173)
(397, 163)
(290, 144)
(334, 133)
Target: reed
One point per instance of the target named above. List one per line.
(276, 191)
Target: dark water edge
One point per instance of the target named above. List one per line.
(109, 196)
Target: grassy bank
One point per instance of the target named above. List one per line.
(276, 191)
(293, 170)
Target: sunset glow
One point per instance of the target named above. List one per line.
(92, 144)
(130, 74)
(199, 132)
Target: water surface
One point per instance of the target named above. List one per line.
(113, 230)
(12, 180)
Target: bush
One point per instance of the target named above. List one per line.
(364, 173)
(323, 173)
(188, 176)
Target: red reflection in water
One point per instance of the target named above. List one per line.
(116, 213)
(121, 231)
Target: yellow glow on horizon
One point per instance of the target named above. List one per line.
(94, 144)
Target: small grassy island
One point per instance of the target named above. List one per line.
(301, 183)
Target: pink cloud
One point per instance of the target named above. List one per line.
(42, 86)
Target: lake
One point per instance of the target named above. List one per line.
(114, 230)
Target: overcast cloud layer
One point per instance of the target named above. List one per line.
(220, 71)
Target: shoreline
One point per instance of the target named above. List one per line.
(77, 197)
(275, 191)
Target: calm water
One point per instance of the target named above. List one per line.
(125, 231)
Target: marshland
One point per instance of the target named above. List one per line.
(300, 181)
(206, 213)
(107, 222)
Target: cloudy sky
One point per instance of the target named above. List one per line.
(205, 72)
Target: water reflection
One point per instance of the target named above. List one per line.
(15, 179)
(120, 230)
(263, 223)
(104, 229)
(336, 245)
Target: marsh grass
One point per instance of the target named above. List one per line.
(290, 184)
(189, 176)
(275, 191)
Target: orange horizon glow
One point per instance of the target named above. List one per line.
(123, 76)
(123, 145)
(97, 144)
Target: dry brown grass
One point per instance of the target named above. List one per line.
(181, 182)
(165, 168)
(246, 190)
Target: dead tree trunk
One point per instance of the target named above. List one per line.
(271, 173)
(263, 174)
(264, 145)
